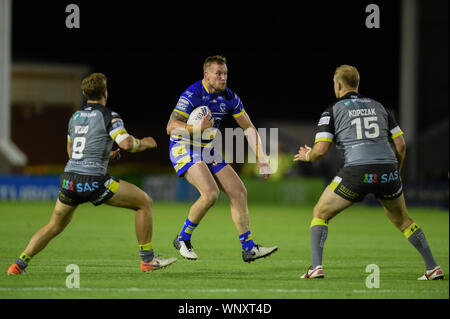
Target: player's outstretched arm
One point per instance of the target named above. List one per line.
(131, 144)
(254, 141)
(308, 154)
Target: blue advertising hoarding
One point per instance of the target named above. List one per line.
(27, 187)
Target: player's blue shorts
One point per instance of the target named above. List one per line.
(184, 156)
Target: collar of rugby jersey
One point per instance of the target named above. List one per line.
(349, 95)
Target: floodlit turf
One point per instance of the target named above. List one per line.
(102, 242)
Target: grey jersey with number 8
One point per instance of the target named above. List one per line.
(92, 131)
(361, 128)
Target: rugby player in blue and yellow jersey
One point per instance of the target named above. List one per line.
(208, 174)
(374, 151)
(91, 134)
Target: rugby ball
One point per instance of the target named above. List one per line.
(197, 114)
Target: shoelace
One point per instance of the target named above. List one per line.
(188, 244)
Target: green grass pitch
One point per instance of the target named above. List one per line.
(102, 242)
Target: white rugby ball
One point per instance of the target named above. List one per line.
(197, 114)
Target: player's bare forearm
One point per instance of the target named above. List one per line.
(400, 150)
(146, 143)
(401, 158)
(308, 154)
(254, 141)
(135, 145)
(252, 135)
(177, 124)
(69, 149)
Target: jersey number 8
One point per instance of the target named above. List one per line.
(78, 147)
(369, 124)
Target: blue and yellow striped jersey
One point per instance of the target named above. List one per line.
(221, 104)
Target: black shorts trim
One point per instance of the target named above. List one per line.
(353, 183)
(77, 189)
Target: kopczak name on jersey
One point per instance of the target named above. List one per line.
(361, 127)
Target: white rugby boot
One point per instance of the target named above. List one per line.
(258, 252)
(157, 263)
(434, 274)
(185, 248)
(316, 272)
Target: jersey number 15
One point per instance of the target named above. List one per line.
(371, 128)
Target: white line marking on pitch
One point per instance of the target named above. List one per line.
(225, 290)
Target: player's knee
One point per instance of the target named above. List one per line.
(211, 196)
(404, 223)
(320, 211)
(147, 201)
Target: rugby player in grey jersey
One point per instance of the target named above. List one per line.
(374, 150)
(91, 134)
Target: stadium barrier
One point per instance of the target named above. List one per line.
(29, 187)
(295, 190)
(433, 194)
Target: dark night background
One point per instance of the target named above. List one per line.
(281, 59)
(281, 56)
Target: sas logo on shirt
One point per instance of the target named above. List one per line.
(385, 178)
(80, 187)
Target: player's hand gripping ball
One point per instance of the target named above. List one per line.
(197, 114)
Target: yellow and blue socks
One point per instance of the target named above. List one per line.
(246, 240)
(416, 237)
(187, 230)
(23, 261)
(146, 252)
(318, 235)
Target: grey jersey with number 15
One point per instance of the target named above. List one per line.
(361, 128)
(92, 131)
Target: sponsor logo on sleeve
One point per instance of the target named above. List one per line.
(117, 123)
(324, 121)
(182, 104)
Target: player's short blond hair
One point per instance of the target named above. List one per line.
(214, 59)
(94, 86)
(348, 75)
